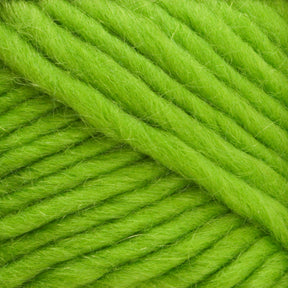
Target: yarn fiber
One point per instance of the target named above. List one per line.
(144, 143)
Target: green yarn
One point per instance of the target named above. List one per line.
(282, 281)
(6, 81)
(14, 97)
(143, 143)
(280, 6)
(73, 93)
(213, 259)
(249, 62)
(101, 236)
(247, 262)
(220, 95)
(259, 279)
(182, 98)
(14, 118)
(54, 163)
(146, 270)
(251, 34)
(62, 181)
(42, 126)
(136, 196)
(107, 258)
(44, 146)
(276, 27)
(164, 152)
(204, 53)
(151, 105)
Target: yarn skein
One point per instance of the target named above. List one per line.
(143, 143)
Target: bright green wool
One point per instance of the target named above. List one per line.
(6, 82)
(251, 33)
(153, 107)
(204, 53)
(189, 73)
(267, 19)
(143, 144)
(142, 67)
(187, 101)
(54, 162)
(158, 144)
(246, 59)
(208, 262)
(46, 124)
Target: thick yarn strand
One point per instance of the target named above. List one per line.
(172, 257)
(78, 198)
(178, 122)
(44, 125)
(158, 144)
(219, 273)
(27, 154)
(207, 24)
(102, 262)
(52, 164)
(81, 243)
(267, 19)
(108, 210)
(190, 73)
(204, 53)
(161, 83)
(54, 184)
(250, 33)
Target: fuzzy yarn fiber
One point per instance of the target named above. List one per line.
(144, 143)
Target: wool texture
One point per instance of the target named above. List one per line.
(144, 143)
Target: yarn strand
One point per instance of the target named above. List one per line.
(146, 103)
(143, 144)
(176, 93)
(93, 216)
(70, 248)
(55, 163)
(148, 140)
(258, 70)
(204, 53)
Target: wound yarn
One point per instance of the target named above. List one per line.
(143, 143)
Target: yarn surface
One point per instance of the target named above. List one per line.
(144, 143)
